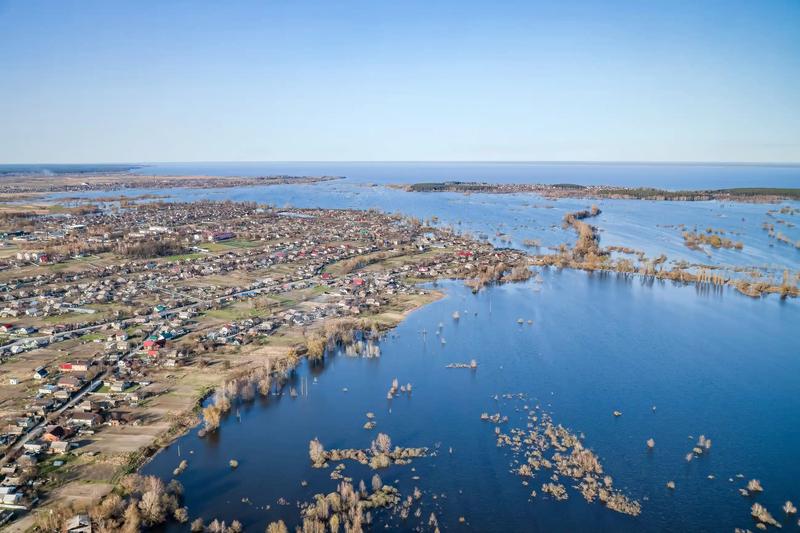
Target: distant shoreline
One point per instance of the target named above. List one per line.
(30, 185)
(29, 181)
(570, 190)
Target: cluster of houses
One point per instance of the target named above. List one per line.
(287, 251)
(307, 243)
(55, 419)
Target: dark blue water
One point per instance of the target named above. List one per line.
(667, 176)
(722, 365)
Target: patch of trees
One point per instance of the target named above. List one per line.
(151, 248)
(694, 241)
(140, 502)
(458, 186)
(587, 247)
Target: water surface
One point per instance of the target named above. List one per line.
(722, 365)
(666, 176)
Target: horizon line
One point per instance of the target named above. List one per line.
(427, 161)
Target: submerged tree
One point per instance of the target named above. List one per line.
(277, 527)
(316, 451)
(211, 417)
(382, 444)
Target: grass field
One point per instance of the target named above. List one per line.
(181, 257)
(238, 243)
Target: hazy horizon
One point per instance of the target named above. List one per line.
(409, 161)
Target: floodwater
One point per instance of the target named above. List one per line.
(666, 176)
(725, 366)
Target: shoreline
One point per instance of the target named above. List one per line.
(610, 192)
(181, 429)
(195, 421)
(35, 186)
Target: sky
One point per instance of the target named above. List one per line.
(371, 80)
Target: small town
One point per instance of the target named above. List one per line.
(117, 320)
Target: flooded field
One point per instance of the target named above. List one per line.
(673, 363)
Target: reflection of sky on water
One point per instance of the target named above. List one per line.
(717, 364)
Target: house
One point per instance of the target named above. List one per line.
(53, 433)
(40, 373)
(153, 343)
(75, 366)
(41, 405)
(87, 406)
(119, 386)
(62, 394)
(26, 422)
(85, 419)
(79, 523)
(35, 446)
(118, 418)
(60, 446)
(47, 389)
(14, 480)
(70, 383)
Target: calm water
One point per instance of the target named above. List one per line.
(667, 176)
(635, 175)
(722, 365)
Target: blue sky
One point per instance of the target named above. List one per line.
(638, 80)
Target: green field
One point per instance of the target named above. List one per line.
(181, 257)
(238, 243)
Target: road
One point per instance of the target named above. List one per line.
(89, 387)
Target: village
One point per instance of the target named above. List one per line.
(36, 185)
(116, 320)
